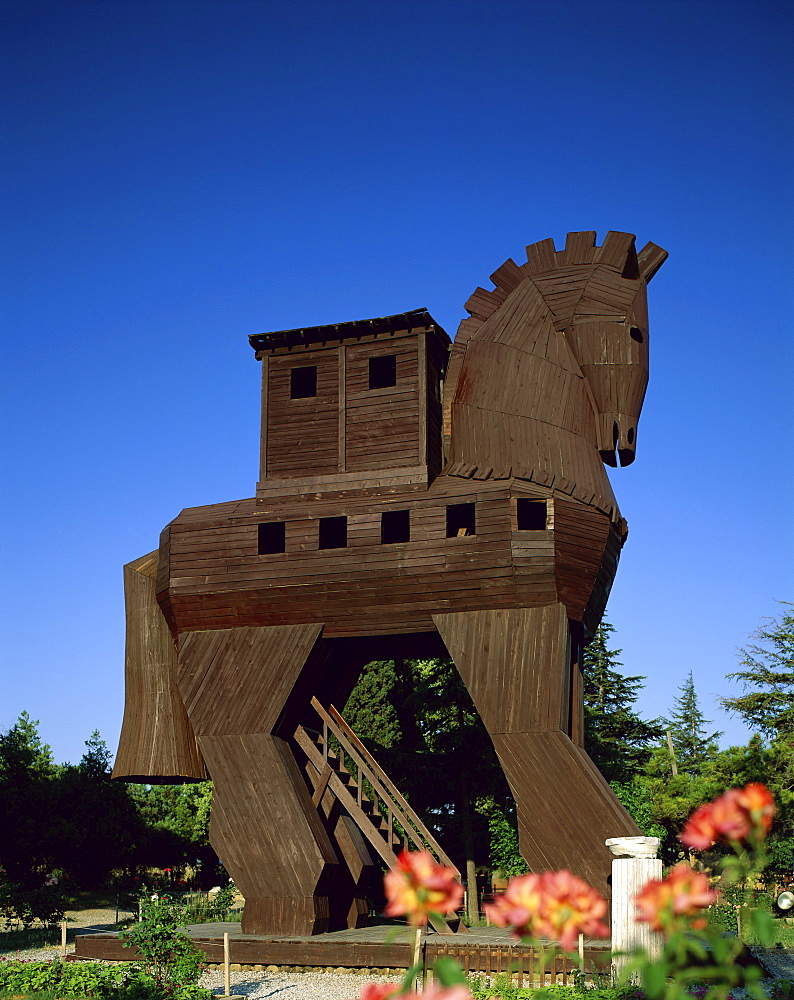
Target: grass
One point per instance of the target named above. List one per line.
(784, 936)
(30, 937)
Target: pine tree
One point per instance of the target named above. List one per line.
(97, 758)
(768, 667)
(616, 738)
(768, 706)
(22, 753)
(385, 706)
(692, 745)
(28, 775)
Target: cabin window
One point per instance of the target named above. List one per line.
(460, 520)
(531, 515)
(303, 382)
(272, 538)
(395, 526)
(333, 532)
(383, 371)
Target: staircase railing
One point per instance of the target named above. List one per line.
(380, 803)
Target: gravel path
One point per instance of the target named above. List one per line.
(778, 961)
(293, 985)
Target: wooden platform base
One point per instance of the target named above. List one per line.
(485, 949)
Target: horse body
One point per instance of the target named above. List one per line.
(504, 560)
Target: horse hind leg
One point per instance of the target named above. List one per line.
(517, 666)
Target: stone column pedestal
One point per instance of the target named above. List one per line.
(634, 864)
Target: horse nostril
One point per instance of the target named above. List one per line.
(636, 334)
(615, 434)
(630, 436)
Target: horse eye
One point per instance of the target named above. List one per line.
(636, 334)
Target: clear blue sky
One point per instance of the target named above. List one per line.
(179, 174)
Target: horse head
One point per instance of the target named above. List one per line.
(606, 328)
(557, 352)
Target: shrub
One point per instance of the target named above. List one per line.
(168, 957)
(45, 903)
(70, 979)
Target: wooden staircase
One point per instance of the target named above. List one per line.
(344, 767)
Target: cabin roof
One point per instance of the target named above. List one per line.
(415, 319)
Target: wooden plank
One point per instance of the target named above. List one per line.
(650, 259)
(541, 256)
(263, 470)
(580, 248)
(342, 416)
(422, 401)
(326, 950)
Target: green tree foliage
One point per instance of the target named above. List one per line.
(28, 846)
(616, 738)
(636, 797)
(384, 706)
(695, 773)
(74, 821)
(420, 723)
(97, 759)
(692, 744)
(98, 826)
(767, 676)
(22, 753)
(183, 810)
(503, 829)
(176, 821)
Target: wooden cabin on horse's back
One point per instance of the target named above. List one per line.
(351, 406)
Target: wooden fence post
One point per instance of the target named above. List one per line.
(227, 979)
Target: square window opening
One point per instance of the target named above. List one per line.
(272, 538)
(395, 526)
(333, 533)
(303, 382)
(460, 520)
(531, 515)
(383, 371)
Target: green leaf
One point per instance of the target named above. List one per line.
(653, 979)
(448, 972)
(763, 927)
(410, 977)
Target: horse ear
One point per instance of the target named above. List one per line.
(650, 259)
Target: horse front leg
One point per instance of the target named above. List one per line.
(518, 667)
(236, 685)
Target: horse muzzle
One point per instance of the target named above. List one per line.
(617, 438)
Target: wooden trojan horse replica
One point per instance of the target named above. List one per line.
(415, 499)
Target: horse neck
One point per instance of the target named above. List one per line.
(516, 401)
